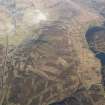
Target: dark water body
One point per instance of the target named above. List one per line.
(101, 56)
(90, 35)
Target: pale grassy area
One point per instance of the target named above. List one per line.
(13, 40)
(18, 37)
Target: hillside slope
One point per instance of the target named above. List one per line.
(46, 55)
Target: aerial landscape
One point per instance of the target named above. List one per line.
(52, 52)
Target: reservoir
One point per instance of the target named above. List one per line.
(91, 35)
